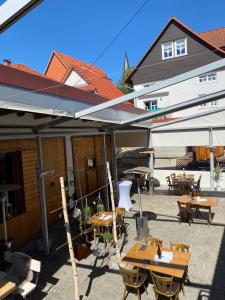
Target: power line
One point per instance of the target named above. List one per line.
(136, 68)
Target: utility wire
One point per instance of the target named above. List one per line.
(136, 68)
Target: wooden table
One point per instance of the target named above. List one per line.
(95, 219)
(207, 204)
(145, 260)
(6, 288)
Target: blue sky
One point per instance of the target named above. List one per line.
(82, 29)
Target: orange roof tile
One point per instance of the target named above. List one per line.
(95, 77)
(215, 37)
(25, 68)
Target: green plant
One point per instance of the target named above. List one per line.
(218, 173)
(87, 211)
(100, 207)
(107, 236)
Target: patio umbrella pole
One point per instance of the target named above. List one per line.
(69, 239)
(113, 209)
(139, 197)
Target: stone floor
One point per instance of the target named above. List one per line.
(99, 280)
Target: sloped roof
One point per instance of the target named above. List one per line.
(25, 68)
(203, 37)
(95, 77)
(15, 77)
(216, 37)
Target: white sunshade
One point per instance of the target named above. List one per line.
(192, 131)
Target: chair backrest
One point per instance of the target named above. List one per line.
(130, 277)
(194, 193)
(99, 229)
(199, 181)
(173, 176)
(168, 180)
(179, 247)
(151, 241)
(120, 212)
(162, 284)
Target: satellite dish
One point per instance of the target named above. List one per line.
(12, 10)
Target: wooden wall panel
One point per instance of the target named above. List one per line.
(83, 147)
(54, 159)
(25, 226)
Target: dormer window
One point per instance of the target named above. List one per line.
(167, 50)
(174, 49)
(180, 47)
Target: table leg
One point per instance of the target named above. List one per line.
(210, 217)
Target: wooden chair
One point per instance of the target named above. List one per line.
(181, 248)
(120, 214)
(133, 279)
(99, 230)
(171, 186)
(185, 212)
(151, 241)
(197, 184)
(165, 286)
(173, 176)
(195, 194)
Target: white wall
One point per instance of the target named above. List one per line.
(205, 180)
(75, 80)
(186, 90)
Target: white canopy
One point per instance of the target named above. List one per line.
(191, 131)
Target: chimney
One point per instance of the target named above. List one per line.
(7, 62)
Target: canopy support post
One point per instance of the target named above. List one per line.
(41, 186)
(211, 148)
(151, 162)
(69, 165)
(104, 172)
(113, 156)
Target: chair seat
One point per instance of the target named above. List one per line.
(26, 289)
(170, 292)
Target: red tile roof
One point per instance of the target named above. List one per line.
(95, 77)
(25, 68)
(27, 80)
(215, 37)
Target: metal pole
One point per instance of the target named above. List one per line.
(104, 172)
(69, 166)
(151, 162)
(41, 185)
(113, 156)
(211, 147)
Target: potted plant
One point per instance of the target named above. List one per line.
(217, 176)
(107, 237)
(87, 211)
(100, 205)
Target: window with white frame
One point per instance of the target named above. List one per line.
(174, 48)
(151, 105)
(213, 103)
(180, 47)
(167, 50)
(206, 78)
